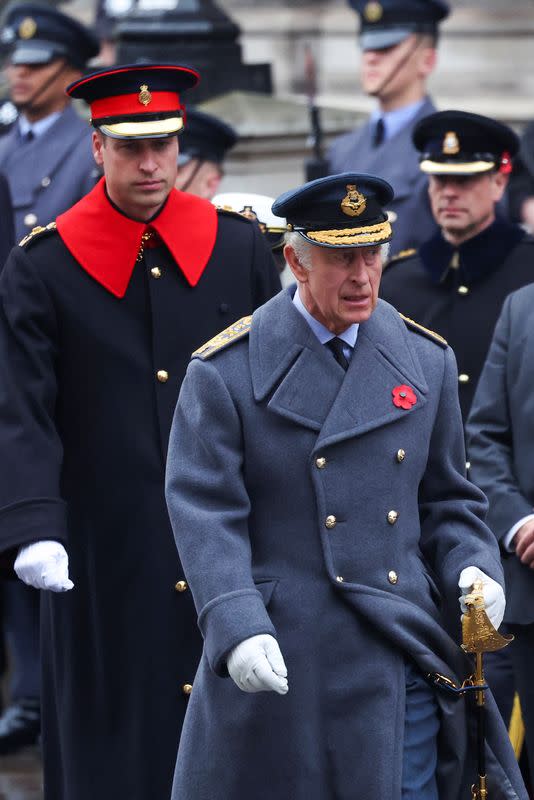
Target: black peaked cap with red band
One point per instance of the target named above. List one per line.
(136, 101)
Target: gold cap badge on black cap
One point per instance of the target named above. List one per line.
(144, 95)
(27, 28)
(354, 203)
(373, 12)
(451, 144)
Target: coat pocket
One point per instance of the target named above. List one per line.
(266, 587)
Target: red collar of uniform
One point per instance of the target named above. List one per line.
(106, 243)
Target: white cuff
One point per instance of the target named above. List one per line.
(508, 537)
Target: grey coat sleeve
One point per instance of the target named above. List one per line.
(452, 509)
(489, 435)
(209, 510)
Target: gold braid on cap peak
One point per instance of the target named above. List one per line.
(372, 234)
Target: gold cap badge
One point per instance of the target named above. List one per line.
(451, 144)
(144, 95)
(373, 12)
(27, 28)
(354, 203)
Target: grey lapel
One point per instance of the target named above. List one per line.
(310, 388)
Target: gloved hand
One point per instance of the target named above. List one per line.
(492, 591)
(257, 665)
(44, 565)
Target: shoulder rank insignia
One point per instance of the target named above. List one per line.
(235, 213)
(432, 335)
(401, 255)
(35, 232)
(223, 339)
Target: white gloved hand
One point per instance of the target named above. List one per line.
(44, 565)
(257, 665)
(492, 591)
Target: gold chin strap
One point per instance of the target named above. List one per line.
(372, 234)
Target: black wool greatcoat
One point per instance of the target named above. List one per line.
(462, 303)
(85, 414)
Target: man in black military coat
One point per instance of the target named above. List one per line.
(458, 280)
(99, 313)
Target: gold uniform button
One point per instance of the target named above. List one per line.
(393, 517)
(330, 521)
(320, 462)
(393, 577)
(340, 578)
(463, 378)
(156, 272)
(401, 455)
(181, 586)
(30, 220)
(162, 375)
(187, 688)
(463, 290)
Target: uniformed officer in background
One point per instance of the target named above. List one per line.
(457, 281)
(398, 39)
(99, 316)
(46, 157)
(204, 145)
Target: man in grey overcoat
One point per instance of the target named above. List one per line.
(316, 486)
(500, 441)
(398, 39)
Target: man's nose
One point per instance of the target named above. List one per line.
(148, 162)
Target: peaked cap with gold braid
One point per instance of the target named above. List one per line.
(345, 210)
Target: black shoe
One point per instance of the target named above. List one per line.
(20, 726)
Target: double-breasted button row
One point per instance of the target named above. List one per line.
(181, 586)
(162, 375)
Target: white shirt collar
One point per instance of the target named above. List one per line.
(39, 127)
(323, 334)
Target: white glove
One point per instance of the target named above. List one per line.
(44, 565)
(257, 665)
(493, 593)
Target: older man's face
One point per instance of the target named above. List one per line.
(341, 288)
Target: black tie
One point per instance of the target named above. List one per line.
(380, 130)
(336, 346)
(29, 136)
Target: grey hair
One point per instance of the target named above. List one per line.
(303, 248)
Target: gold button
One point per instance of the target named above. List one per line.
(393, 577)
(393, 517)
(463, 290)
(155, 272)
(162, 375)
(30, 220)
(463, 378)
(320, 462)
(181, 586)
(340, 578)
(401, 455)
(187, 689)
(330, 521)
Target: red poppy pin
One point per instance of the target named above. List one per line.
(403, 397)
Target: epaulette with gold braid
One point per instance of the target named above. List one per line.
(432, 335)
(35, 233)
(400, 256)
(230, 335)
(234, 213)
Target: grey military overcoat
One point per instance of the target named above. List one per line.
(500, 435)
(282, 473)
(49, 174)
(397, 161)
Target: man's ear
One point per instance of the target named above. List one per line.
(500, 182)
(299, 271)
(98, 146)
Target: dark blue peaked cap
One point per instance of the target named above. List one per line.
(386, 23)
(39, 34)
(344, 210)
(205, 137)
